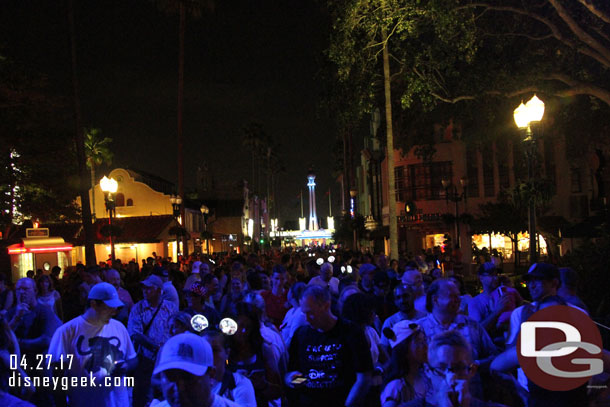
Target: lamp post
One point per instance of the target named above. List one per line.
(176, 202)
(204, 212)
(353, 193)
(525, 116)
(109, 187)
(451, 194)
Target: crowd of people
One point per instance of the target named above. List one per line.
(316, 327)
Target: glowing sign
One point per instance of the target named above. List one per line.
(21, 250)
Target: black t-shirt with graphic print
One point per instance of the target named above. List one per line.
(330, 361)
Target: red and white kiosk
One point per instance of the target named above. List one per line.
(38, 250)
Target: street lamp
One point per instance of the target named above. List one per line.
(353, 193)
(451, 194)
(204, 212)
(109, 187)
(525, 116)
(176, 202)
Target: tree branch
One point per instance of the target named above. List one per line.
(579, 32)
(593, 52)
(588, 4)
(580, 88)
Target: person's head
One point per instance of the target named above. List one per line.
(359, 309)
(25, 291)
(211, 284)
(180, 322)
(237, 270)
(278, 279)
(91, 275)
(254, 280)
(295, 293)
(443, 297)
(248, 327)
(113, 277)
(409, 346)
(30, 274)
(218, 342)
(326, 272)
(488, 274)
(403, 298)
(367, 273)
(257, 301)
(265, 281)
(436, 272)
(195, 295)
(186, 368)
(414, 280)
(381, 284)
(459, 282)
(161, 272)
(449, 359)
(55, 271)
(152, 287)
(315, 304)
(236, 286)
(103, 302)
(542, 280)
(345, 294)
(44, 284)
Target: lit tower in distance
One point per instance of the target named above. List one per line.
(311, 184)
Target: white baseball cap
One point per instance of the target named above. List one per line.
(188, 352)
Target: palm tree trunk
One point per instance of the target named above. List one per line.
(181, 29)
(80, 148)
(93, 191)
(390, 149)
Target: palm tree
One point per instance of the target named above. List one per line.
(194, 9)
(256, 141)
(98, 152)
(79, 140)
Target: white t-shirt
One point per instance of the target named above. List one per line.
(95, 349)
(242, 394)
(293, 320)
(373, 339)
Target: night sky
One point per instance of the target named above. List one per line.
(250, 60)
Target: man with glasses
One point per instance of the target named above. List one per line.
(450, 368)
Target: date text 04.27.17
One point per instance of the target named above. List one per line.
(42, 362)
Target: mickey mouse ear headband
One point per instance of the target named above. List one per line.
(400, 331)
(227, 325)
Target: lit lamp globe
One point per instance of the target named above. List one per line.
(109, 185)
(521, 116)
(535, 108)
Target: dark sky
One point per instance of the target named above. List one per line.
(251, 60)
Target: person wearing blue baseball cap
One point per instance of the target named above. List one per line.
(97, 347)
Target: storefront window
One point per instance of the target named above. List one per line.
(431, 241)
(504, 245)
(26, 262)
